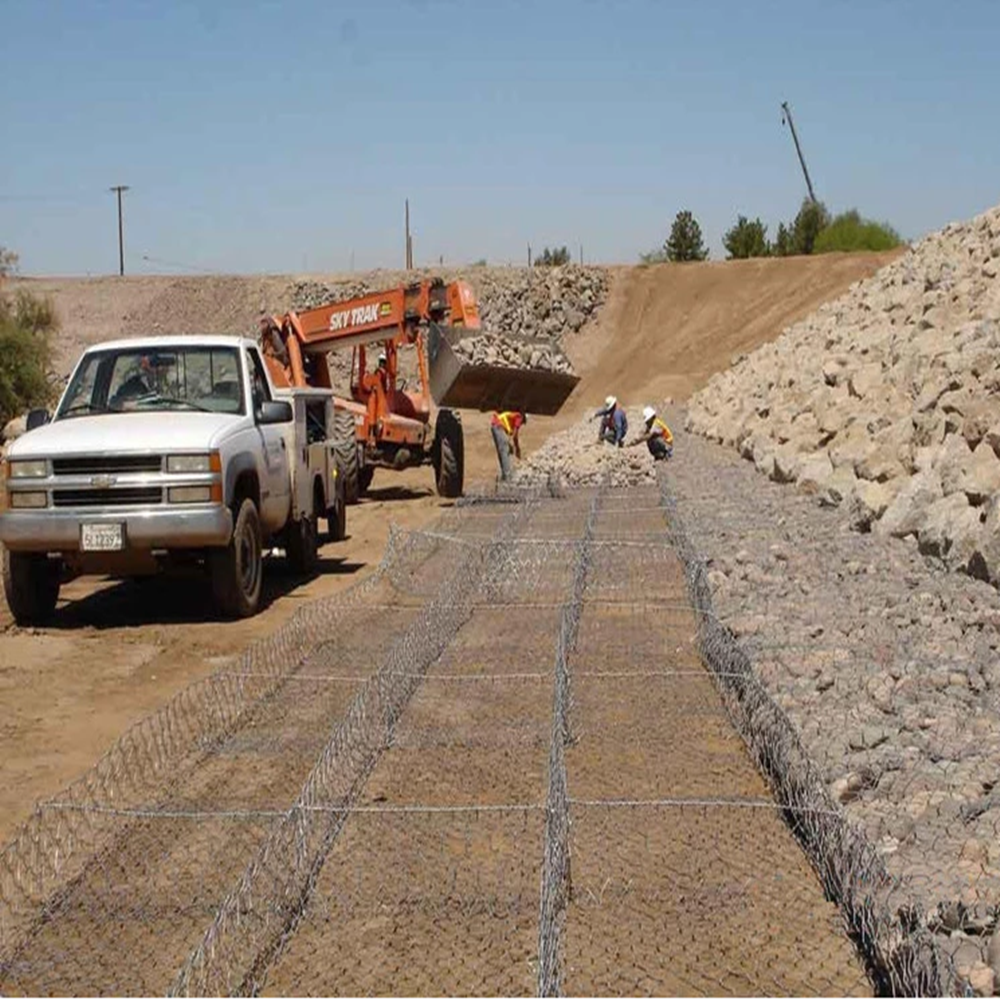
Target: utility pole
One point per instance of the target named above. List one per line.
(787, 114)
(118, 188)
(529, 255)
(409, 240)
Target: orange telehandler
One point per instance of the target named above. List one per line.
(383, 424)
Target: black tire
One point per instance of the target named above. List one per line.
(237, 569)
(336, 515)
(345, 449)
(302, 544)
(31, 586)
(449, 446)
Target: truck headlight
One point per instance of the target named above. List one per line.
(27, 468)
(22, 499)
(209, 462)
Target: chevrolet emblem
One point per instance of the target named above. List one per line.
(103, 482)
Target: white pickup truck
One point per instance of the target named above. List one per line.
(168, 450)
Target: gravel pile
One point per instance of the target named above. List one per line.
(525, 312)
(575, 457)
(887, 401)
(887, 666)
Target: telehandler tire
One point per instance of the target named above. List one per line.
(236, 571)
(31, 586)
(345, 447)
(449, 454)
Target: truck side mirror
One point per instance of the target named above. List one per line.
(37, 418)
(274, 411)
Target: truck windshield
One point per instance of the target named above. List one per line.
(147, 379)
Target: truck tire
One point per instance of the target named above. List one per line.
(336, 516)
(365, 478)
(302, 544)
(449, 446)
(237, 569)
(31, 586)
(345, 448)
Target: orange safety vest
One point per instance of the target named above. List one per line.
(660, 429)
(509, 420)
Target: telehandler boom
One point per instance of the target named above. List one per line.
(384, 424)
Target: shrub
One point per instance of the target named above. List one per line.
(26, 325)
(658, 256)
(553, 258)
(850, 232)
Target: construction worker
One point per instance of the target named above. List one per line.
(614, 422)
(506, 427)
(656, 434)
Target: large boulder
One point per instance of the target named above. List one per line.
(907, 512)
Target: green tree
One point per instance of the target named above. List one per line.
(849, 232)
(553, 258)
(685, 242)
(782, 246)
(746, 239)
(812, 219)
(26, 324)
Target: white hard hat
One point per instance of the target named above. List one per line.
(611, 401)
(648, 413)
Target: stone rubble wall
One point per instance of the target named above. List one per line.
(886, 402)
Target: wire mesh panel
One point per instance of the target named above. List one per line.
(421, 903)
(699, 899)
(501, 766)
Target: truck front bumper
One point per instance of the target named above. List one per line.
(49, 530)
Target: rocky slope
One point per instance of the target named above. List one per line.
(886, 400)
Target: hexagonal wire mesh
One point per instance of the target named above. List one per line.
(498, 766)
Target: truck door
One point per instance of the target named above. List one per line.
(274, 474)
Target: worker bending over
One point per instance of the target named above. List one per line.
(656, 434)
(505, 428)
(614, 422)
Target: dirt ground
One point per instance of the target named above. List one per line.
(119, 650)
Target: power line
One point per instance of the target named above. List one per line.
(182, 267)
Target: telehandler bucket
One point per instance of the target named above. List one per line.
(456, 383)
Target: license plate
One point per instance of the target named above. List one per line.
(101, 537)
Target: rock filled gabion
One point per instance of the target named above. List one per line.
(887, 401)
(575, 457)
(525, 312)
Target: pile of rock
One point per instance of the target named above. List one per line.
(886, 400)
(492, 349)
(525, 312)
(575, 457)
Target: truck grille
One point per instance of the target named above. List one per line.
(107, 498)
(92, 465)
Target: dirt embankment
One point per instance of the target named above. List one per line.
(118, 650)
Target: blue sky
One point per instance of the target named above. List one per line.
(284, 136)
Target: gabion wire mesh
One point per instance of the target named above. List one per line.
(500, 765)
